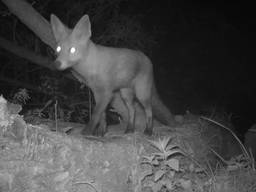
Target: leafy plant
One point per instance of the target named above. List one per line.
(163, 165)
(20, 97)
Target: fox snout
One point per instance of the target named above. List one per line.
(57, 65)
(62, 64)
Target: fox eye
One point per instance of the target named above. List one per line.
(72, 50)
(58, 49)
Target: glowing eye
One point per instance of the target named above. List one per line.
(72, 50)
(58, 49)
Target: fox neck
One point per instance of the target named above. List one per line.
(87, 64)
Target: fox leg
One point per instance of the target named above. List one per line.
(103, 123)
(97, 125)
(144, 95)
(149, 117)
(128, 98)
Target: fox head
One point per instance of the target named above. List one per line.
(72, 45)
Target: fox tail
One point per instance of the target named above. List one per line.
(160, 111)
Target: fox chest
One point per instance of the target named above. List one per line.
(91, 76)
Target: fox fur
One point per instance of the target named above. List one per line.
(107, 70)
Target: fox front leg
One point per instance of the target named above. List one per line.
(97, 125)
(102, 126)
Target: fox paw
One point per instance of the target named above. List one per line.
(148, 132)
(98, 133)
(86, 131)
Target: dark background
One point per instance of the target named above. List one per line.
(201, 50)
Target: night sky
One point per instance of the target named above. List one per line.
(202, 57)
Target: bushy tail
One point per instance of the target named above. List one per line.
(160, 111)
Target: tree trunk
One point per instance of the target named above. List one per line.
(32, 19)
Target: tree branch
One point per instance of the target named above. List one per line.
(26, 54)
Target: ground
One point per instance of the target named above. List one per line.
(192, 156)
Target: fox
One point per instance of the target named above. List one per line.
(107, 71)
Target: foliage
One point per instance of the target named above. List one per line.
(165, 171)
(20, 97)
(60, 103)
(163, 164)
(247, 157)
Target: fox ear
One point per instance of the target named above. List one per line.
(59, 29)
(82, 28)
